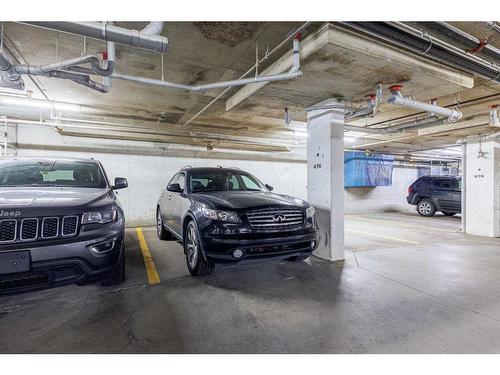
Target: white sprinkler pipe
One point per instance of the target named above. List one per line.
(398, 99)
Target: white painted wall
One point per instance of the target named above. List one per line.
(148, 174)
(382, 198)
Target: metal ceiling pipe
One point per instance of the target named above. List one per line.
(462, 39)
(41, 69)
(110, 33)
(293, 73)
(362, 129)
(401, 35)
(372, 103)
(9, 78)
(493, 26)
(398, 99)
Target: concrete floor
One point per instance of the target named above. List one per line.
(409, 285)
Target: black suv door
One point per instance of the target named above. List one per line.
(446, 192)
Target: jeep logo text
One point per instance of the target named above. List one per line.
(10, 213)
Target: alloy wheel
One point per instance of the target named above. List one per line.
(425, 208)
(192, 247)
(159, 222)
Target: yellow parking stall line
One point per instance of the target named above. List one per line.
(382, 236)
(153, 277)
(404, 224)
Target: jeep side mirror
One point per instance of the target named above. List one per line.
(120, 183)
(176, 188)
(269, 187)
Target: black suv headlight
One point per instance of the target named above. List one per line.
(226, 216)
(101, 217)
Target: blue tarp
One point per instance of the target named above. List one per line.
(362, 170)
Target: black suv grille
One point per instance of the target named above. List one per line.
(8, 230)
(50, 227)
(276, 218)
(69, 225)
(29, 229)
(33, 228)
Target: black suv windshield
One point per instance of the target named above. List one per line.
(223, 181)
(51, 173)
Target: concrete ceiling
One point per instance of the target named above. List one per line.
(336, 63)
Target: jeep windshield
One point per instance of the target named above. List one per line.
(223, 181)
(24, 173)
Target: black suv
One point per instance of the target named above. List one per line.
(227, 215)
(60, 223)
(431, 194)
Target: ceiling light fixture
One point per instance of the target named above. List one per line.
(39, 104)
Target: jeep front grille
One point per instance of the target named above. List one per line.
(38, 228)
(8, 230)
(276, 218)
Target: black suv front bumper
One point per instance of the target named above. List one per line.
(220, 248)
(55, 263)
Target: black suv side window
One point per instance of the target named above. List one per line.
(442, 184)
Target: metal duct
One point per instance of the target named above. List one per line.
(110, 33)
(8, 78)
(414, 40)
(153, 28)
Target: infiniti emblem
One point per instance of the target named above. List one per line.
(279, 218)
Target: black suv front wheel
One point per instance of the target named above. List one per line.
(426, 207)
(196, 264)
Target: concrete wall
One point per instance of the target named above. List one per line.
(382, 198)
(148, 174)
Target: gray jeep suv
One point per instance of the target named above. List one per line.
(60, 223)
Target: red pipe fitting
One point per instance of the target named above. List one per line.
(396, 88)
(104, 55)
(298, 36)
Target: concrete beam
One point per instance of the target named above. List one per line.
(345, 39)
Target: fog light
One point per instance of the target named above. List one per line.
(313, 244)
(237, 253)
(103, 247)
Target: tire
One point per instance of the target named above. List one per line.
(298, 258)
(163, 234)
(119, 275)
(196, 264)
(446, 213)
(426, 208)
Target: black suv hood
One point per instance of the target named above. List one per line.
(30, 200)
(239, 200)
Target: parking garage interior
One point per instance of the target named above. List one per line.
(343, 115)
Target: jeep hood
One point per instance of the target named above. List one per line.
(51, 197)
(237, 200)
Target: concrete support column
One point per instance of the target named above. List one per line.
(325, 177)
(482, 187)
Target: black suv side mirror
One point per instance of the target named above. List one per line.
(176, 188)
(120, 183)
(269, 187)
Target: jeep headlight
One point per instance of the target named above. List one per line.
(100, 217)
(310, 211)
(225, 216)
